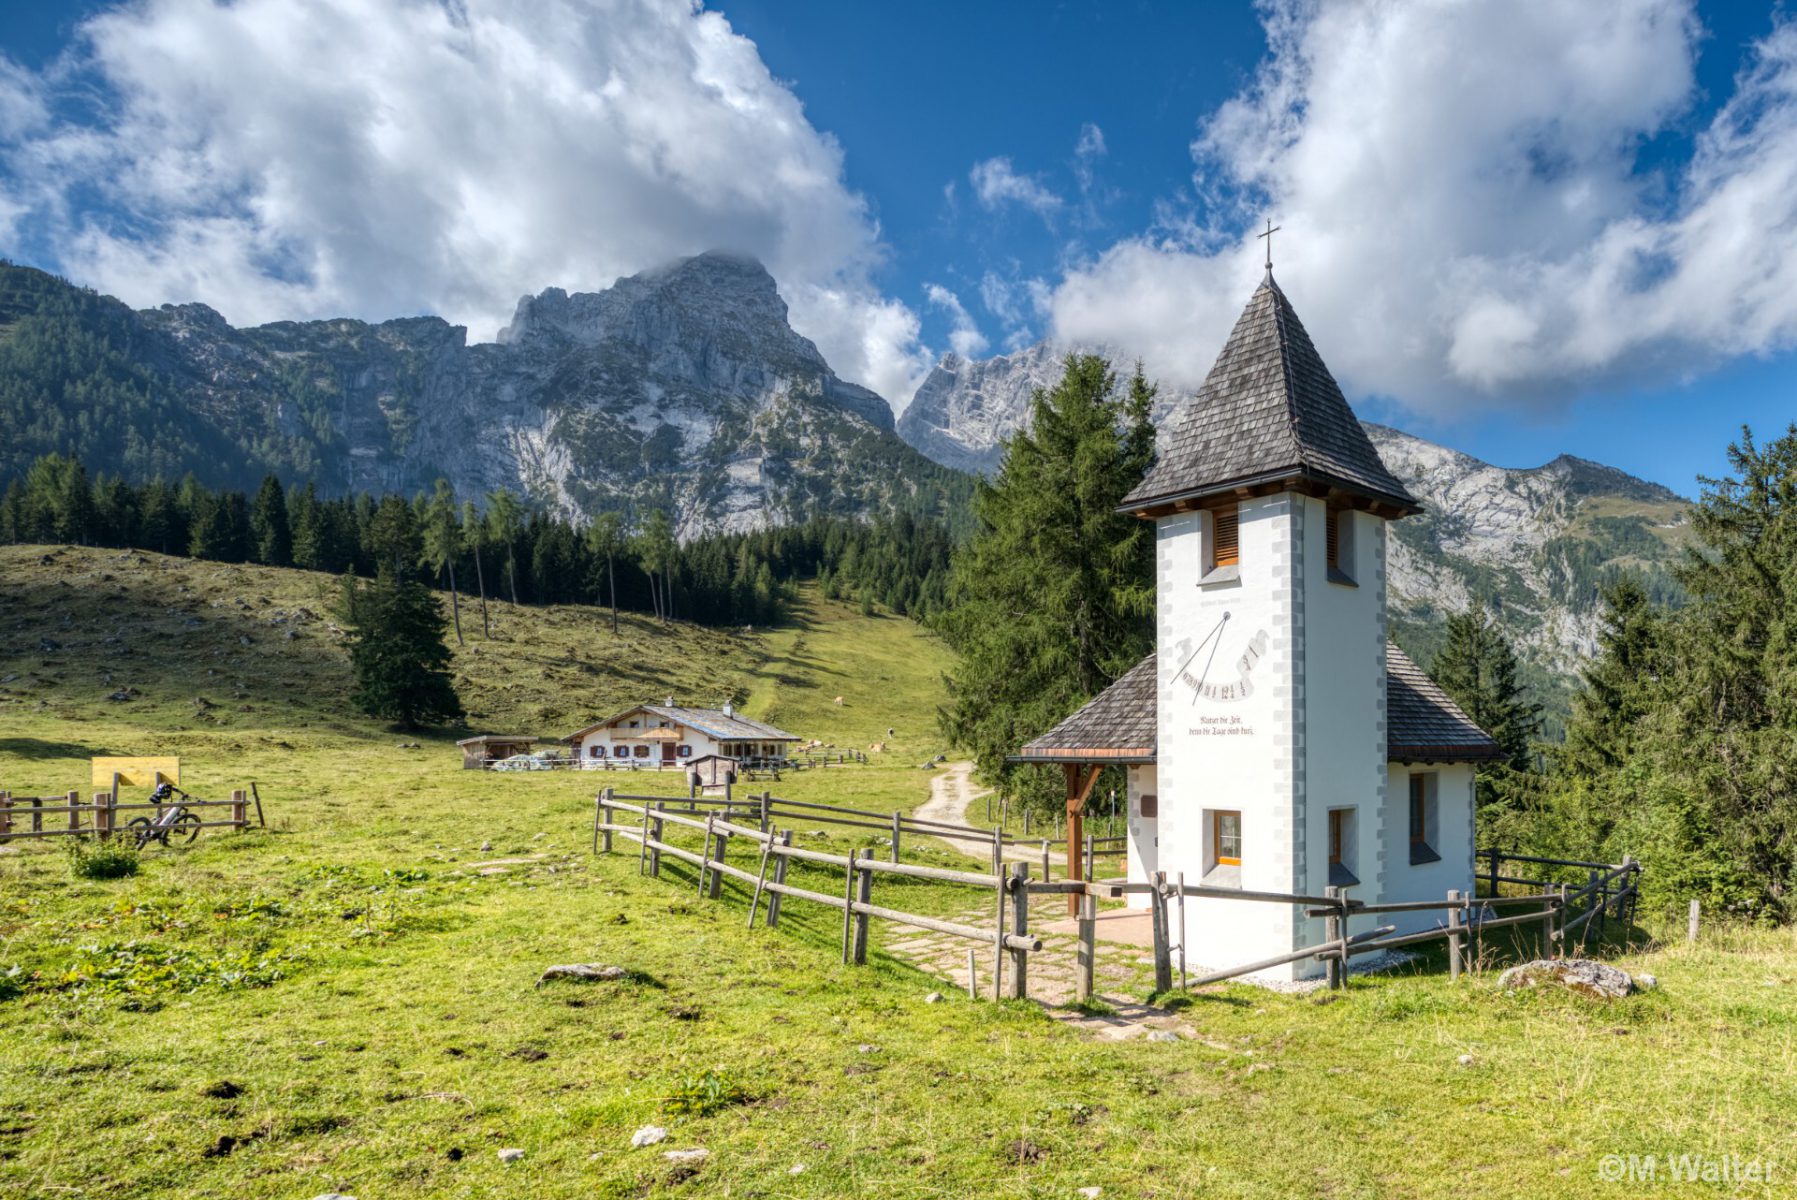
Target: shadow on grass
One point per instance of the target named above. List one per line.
(37, 749)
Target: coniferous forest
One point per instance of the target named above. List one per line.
(494, 546)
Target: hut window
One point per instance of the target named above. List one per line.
(685, 751)
(640, 751)
(595, 751)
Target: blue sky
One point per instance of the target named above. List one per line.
(1563, 236)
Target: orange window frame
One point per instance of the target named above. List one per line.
(1218, 836)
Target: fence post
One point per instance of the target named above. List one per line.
(1020, 923)
(773, 901)
(1454, 951)
(1085, 963)
(112, 811)
(655, 854)
(705, 854)
(1163, 964)
(848, 906)
(5, 813)
(1334, 934)
(642, 861)
(1495, 856)
(1045, 871)
(1691, 921)
(240, 808)
(998, 851)
(1600, 898)
(1182, 930)
(973, 986)
(37, 814)
(1091, 854)
(1550, 937)
(767, 811)
(863, 895)
(767, 847)
(1026, 822)
(610, 815)
(895, 836)
(998, 941)
(75, 812)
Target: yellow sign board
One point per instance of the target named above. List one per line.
(136, 772)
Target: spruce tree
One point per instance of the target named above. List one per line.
(397, 652)
(269, 525)
(1620, 682)
(1477, 668)
(1052, 598)
(443, 544)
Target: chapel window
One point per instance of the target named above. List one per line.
(1423, 829)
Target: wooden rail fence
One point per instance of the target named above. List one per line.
(1609, 892)
(61, 816)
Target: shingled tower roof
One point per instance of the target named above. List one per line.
(1269, 417)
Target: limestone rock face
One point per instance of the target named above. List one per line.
(1587, 977)
(683, 387)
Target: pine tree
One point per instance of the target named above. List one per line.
(1620, 682)
(269, 524)
(1051, 599)
(397, 652)
(504, 520)
(475, 531)
(1478, 669)
(443, 544)
(604, 538)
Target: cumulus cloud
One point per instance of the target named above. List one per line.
(1467, 215)
(997, 184)
(308, 158)
(964, 336)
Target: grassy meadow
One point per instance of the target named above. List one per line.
(346, 1001)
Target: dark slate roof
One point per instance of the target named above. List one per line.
(1422, 724)
(719, 724)
(1116, 725)
(1268, 410)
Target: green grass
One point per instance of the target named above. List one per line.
(370, 995)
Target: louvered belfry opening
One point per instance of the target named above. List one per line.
(1225, 536)
(1335, 537)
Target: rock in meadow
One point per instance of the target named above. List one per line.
(933, 998)
(1583, 976)
(511, 1154)
(697, 1154)
(648, 1135)
(1162, 1035)
(582, 972)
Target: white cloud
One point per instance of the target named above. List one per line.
(1091, 142)
(1467, 220)
(308, 158)
(997, 184)
(965, 338)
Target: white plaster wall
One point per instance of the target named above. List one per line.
(1454, 807)
(701, 743)
(1243, 754)
(1342, 685)
(1144, 832)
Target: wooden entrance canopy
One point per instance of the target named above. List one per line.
(1115, 729)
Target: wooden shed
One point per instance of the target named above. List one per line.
(711, 772)
(488, 748)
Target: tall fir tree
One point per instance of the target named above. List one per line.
(1051, 599)
(1478, 668)
(397, 652)
(270, 526)
(1619, 682)
(443, 544)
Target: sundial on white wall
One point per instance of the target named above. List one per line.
(1218, 665)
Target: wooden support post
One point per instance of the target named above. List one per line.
(1597, 897)
(864, 895)
(37, 814)
(773, 901)
(1045, 874)
(767, 811)
(1334, 934)
(895, 837)
(1086, 961)
(848, 906)
(1691, 921)
(1091, 871)
(1019, 988)
(1495, 857)
(5, 813)
(973, 985)
(1163, 964)
(1026, 822)
(998, 850)
(75, 812)
(605, 805)
(261, 821)
(998, 941)
(240, 808)
(1454, 949)
(1550, 937)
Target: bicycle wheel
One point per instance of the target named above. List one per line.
(187, 825)
(139, 828)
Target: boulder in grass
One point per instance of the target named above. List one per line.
(648, 1135)
(584, 973)
(696, 1155)
(511, 1154)
(1587, 977)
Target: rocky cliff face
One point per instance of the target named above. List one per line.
(1537, 543)
(682, 387)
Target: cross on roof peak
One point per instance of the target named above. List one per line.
(1270, 231)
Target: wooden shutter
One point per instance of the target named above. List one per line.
(1225, 527)
(1335, 538)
